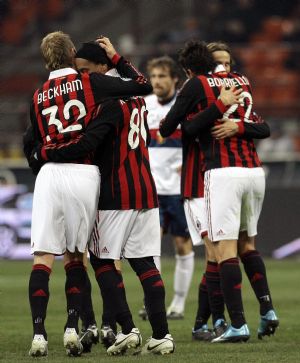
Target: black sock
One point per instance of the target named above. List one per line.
(38, 291)
(87, 313)
(154, 294)
(203, 312)
(75, 282)
(108, 317)
(112, 290)
(256, 271)
(231, 283)
(215, 294)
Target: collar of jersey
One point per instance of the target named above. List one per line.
(61, 73)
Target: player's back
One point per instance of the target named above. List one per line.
(63, 107)
(123, 159)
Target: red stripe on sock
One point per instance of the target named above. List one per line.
(203, 281)
(212, 268)
(248, 254)
(104, 268)
(238, 286)
(158, 283)
(73, 290)
(230, 261)
(74, 264)
(40, 266)
(148, 274)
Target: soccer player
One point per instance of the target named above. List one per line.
(63, 214)
(166, 160)
(128, 218)
(227, 161)
(252, 260)
(222, 55)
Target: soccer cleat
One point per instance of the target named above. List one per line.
(233, 335)
(220, 327)
(268, 324)
(88, 337)
(162, 346)
(173, 314)
(203, 334)
(72, 342)
(125, 341)
(39, 346)
(107, 336)
(143, 313)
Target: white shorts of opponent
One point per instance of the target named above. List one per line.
(194, 210)
(233, 201)
(126, 233)
(64, 208)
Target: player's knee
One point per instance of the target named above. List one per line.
(183, 245)
(142, 265)
(98, 263)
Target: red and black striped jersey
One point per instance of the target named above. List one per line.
(200, 150)
(235, 151)
(120, 136)
(63, 107)
(65, 104)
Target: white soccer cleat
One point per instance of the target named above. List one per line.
(72, 342)
(125, 341)
(39, 346)
(162, 346)
(174, 314)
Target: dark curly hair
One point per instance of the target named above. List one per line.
(196, 57)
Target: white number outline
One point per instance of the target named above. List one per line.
(244, 95)
(137, 127)
(52, 111)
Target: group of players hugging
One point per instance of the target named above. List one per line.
(116, 170)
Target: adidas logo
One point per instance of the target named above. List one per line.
(104, 250)
(220, 233)
(39, 292)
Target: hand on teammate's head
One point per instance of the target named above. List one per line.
(106, 44)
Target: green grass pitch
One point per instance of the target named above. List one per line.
(16, 329)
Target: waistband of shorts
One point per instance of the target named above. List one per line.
(71, 166)
(237, 171)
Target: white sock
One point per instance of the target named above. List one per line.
(182, 280)
(157, 263)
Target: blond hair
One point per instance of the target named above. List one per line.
(56, 49)
(216, 46)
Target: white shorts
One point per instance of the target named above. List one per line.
(233, 201)
(195, 216)
(126, 233)
(64, 208)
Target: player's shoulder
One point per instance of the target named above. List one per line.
(151, 100)
(235, 74)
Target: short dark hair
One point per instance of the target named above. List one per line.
(196, 57)
(216, 46)
(92, 52)
(164, 62)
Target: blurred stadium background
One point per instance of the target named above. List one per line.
(265, 37)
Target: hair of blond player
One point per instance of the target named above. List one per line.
(57, 50)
